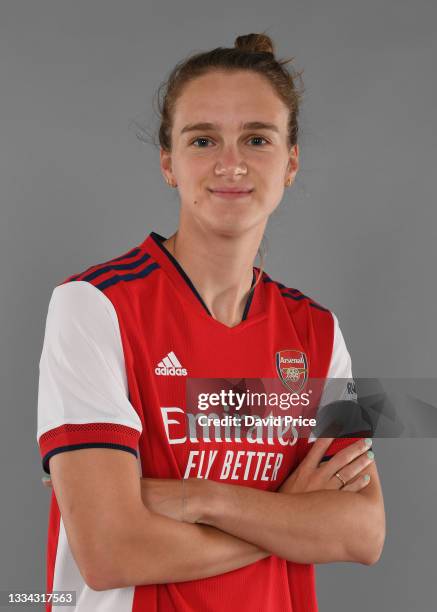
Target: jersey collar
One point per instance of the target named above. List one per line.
(153, 244)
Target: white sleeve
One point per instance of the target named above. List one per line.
(340, 367)
(83, 398)
(339, 384)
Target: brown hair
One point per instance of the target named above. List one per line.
(254, 52)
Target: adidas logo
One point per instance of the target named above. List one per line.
(170, 366)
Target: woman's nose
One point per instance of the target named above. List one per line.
(229, 158)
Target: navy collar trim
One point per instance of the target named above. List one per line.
(159, 240)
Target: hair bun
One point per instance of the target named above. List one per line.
(254, 43)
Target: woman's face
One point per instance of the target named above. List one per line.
(228, 154)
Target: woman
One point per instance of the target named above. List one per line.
(218, 521)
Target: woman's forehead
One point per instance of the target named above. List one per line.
(226, 99)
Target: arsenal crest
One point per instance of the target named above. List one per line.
(292, 368)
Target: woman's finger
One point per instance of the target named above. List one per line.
(346, 456)
(358, 484)
(358, 465)
(47, 481)
(317, 452)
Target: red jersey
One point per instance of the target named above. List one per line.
(121, 340)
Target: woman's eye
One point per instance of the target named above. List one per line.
(199, 139)
(204, 139)
(258, 138)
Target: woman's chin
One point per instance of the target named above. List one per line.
(233, 224)
(228, 218)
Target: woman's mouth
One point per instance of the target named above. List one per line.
(230, 194)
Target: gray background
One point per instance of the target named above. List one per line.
(356, 232)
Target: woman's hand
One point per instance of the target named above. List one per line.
(311, 475)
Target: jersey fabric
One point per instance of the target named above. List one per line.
(121, 339)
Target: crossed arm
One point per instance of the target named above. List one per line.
(159, 536)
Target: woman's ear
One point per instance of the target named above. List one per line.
(294, 159)
(166, 166)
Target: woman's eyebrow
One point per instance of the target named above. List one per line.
(251, 125)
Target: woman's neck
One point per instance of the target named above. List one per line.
(220, 267)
